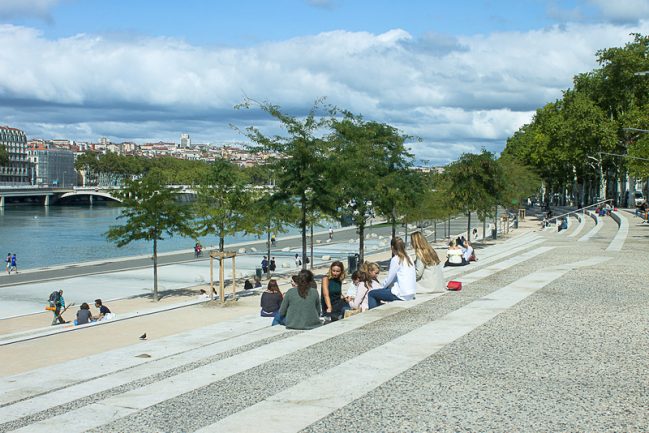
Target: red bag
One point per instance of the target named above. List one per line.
(454, 285)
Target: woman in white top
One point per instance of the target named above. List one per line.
(400, 284)
(454, 255)
(430, 276)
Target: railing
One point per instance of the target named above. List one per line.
(546, 221)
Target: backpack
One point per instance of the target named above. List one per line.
(54, 297)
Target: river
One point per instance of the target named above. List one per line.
(55, 235)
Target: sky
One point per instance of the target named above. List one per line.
(461, 75)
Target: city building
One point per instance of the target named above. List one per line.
(51, 167)
(16, 171)
(185, 141)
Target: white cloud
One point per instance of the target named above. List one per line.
(622, 10)
(456, 94)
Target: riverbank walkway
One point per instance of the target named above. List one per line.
(548, 334)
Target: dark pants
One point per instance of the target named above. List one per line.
(374, 297)
(57, 316)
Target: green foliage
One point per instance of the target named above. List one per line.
(363, 153)
(301, 172)
(223, 201)
(568, 140)
(113, 169)
(519, 181)
(152, 213)
(475, 183)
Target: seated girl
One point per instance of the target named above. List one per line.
(271, 299)
(454, 255)
(430, 276)
(363, 286)
(400, 284)
(300, 308)
(333, 303)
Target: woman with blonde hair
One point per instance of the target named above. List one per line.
(333, 304)
(428, 266)
(400, 284)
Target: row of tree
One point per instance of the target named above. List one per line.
(594, 134)
(329, 164)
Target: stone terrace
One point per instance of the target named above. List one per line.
(548, 334)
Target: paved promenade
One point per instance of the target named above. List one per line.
(548, 334)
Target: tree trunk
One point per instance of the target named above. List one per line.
(496, 223)
(405, 241)
(221, 240)
(311, 252)
(435, 231)
(468, 227)
(155, 269)
(361, 244)
(303, 232)
(268, 244)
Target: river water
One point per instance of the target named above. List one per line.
(55, 235)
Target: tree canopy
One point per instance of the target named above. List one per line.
(583, 138)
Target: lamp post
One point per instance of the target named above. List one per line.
(602, 188)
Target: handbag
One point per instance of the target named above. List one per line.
(456, 286)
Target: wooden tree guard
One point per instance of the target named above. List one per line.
(220, 256)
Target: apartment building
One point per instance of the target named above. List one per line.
(17, 170)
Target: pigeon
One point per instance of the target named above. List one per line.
(143, 336)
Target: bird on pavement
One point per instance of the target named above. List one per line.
(143, 336)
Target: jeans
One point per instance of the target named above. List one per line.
(279, 320)
(375, 296)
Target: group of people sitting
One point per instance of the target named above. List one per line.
(85, 316)
(303, 307)
(460, 252)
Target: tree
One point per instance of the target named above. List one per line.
(519, 181)
(300, 161)
(223, 202)
(358, 162)
(152, 212)
(475, 181)
(269, 216)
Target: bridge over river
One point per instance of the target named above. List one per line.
(30, 194)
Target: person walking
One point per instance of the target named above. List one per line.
(331, 233)
(56, 300)
(264, 265)
(14, 265)
(8, 262)
(272, 265)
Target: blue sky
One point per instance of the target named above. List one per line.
(460, 75)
